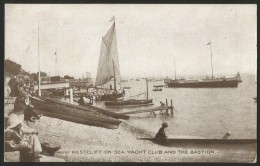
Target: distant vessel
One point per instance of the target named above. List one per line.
(157, 87)
(222, 82)
(108, 66)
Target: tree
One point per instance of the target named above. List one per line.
(23, 72)
(68, 77)
(43, 74)
(12, 67)
(34, 76)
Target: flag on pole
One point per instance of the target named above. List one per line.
(112, 19)
(209, 43)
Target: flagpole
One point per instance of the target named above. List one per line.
(39, 70)
(114, 77)
(175, 68)
(147, 97)
(56, 64)
(211, 61)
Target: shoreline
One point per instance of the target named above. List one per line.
(82, 143)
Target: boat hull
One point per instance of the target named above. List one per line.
(216, 150)
(111, 97)
(180, 141)
(64, 112)
(88, 108)
(157, 89)
(202, 84)
(129, 103)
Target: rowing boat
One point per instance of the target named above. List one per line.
(64, 112)
(189, 142)
(130, 102)
(87, 108)
(214, 150)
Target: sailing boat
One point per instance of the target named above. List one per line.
(108, 66)
(131, 102)
(223, 82)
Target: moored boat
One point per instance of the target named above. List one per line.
(212, 82)
(87, 108)
(130, 102)
(110, 96)
(216, 150)
(108, 65)
(203, 83)
(157, 87)
(74, 114)
(190, 141)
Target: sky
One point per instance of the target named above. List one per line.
(149, 38)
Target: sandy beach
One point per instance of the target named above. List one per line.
(82, 143)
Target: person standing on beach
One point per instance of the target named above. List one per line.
(81, 101)
(161, 137)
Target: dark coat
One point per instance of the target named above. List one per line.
(160, 136)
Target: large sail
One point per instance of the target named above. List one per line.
(108, 65)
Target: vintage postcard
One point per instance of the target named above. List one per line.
(130, 83)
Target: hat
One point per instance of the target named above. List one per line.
(12, 122)
(14, 126)
(165, 124)
(18, 107)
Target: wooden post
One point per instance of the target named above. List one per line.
(147, 97)
(171, 107)
(39, 69)
(91, 99)
(71, 95)
(167, 106)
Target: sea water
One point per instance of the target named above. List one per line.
(199, 112)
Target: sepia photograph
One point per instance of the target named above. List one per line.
(130, 83)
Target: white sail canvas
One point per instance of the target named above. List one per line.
(108, 66)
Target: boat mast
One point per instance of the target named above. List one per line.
(147, 89)
(56, 64)
(39, 70)
(211, 60)
(175, 68)
(114, 77)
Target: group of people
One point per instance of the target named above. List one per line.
(16, 84)
(18, 135)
